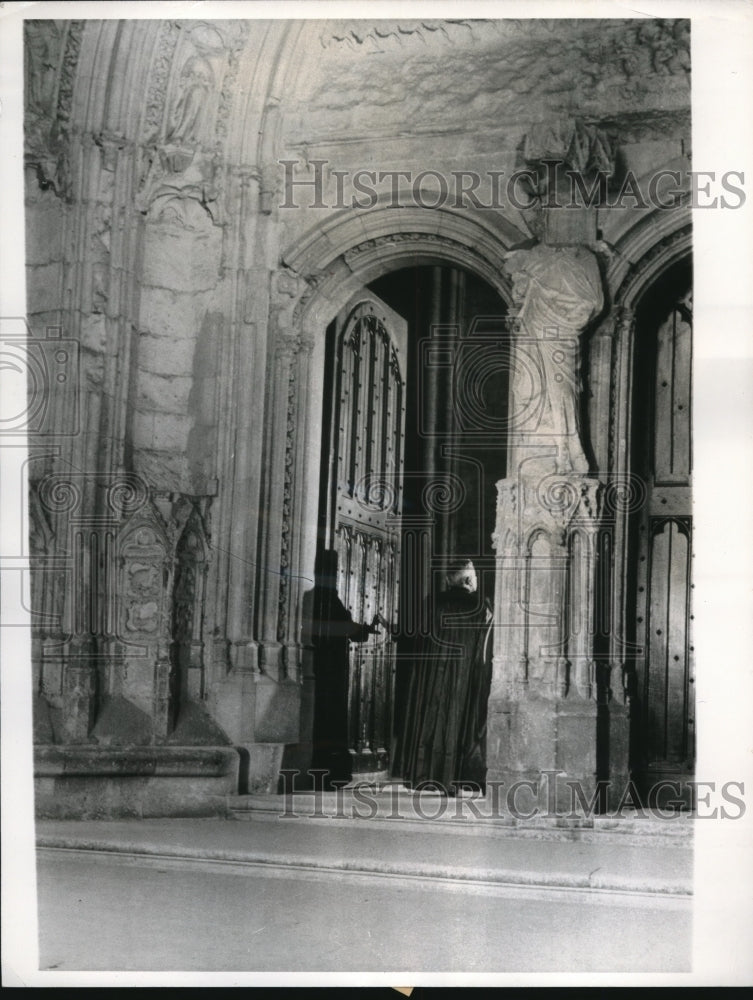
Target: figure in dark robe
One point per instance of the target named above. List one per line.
(332, 631)
(443, 739)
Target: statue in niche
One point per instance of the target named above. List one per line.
(197, 80)
(559, 291)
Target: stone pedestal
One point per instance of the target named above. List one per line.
(544, 705)
(548, 699)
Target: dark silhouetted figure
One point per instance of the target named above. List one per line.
(332, 631)
(443, 738)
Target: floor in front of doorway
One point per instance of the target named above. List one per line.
(105, 912)
(316, 895)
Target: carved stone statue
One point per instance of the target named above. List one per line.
(197, 80)
(558, 291)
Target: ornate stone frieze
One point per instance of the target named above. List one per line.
(169, 33)
(236, 34)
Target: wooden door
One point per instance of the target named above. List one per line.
(663, 578)
(367, 359)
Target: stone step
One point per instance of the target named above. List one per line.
(320, 849)
(429, 812)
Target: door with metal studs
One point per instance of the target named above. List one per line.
(367, 355)
(664, 568)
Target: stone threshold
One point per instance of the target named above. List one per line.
(427, 812)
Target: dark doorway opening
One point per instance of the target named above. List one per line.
(452, 360)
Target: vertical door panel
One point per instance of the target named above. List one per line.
(665, 561)
(364, 505)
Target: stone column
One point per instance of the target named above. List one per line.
(543, 710)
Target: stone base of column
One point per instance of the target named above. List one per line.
(134, 782)
(583, 741)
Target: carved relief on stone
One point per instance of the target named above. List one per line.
(189, 64)
(234, 35)
(554, 505)
(169, 33)
(142, 551)
(43, 42)
(526, 70)
(51, 51)
(142, 618)
(357, 254)
(668, 42)
(288, 292)
(185, 106)
(568, 162)
(557, 292)
(182, 186)
(545, 544)
(564, 502)
(189, 116)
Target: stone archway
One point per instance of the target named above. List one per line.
(306, 301)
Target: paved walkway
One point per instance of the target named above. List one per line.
(307, 894)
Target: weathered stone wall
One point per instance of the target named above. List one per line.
(174, 418)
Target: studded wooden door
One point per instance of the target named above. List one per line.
(364, 503)
(663, 579)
